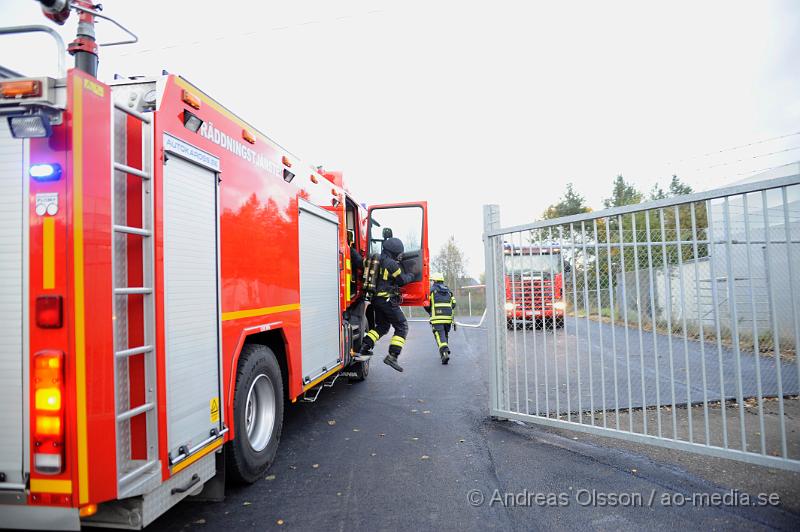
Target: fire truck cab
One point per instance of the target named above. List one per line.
(170, 277)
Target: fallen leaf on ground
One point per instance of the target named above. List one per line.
(331, 422)
(315, 466)
(373, 454)
(279, 522)
(424, 457)
(246, 503)
(200, 522)
(356, 430)
(269, 477)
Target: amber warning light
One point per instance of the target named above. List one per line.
(191, 100)
(48, 433)
(28, 88)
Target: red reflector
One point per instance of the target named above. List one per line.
(48, 312)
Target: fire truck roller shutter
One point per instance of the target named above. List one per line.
(319, 289)
(13, 179)
(191, 306)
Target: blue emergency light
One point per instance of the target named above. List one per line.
(45, 171)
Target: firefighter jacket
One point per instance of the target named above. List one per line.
(391, 277)
(442, 303)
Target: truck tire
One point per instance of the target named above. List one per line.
(361, 370)
(257, 413)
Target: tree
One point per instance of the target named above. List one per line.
(678, 188)
(570, 203)
(657, 193)
(623, 193)
(451, 262)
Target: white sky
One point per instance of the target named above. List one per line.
(466, 103)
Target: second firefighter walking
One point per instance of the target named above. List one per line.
(441, 307)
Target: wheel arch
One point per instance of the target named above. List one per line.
(270, 335)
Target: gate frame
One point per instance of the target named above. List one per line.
(499, 387)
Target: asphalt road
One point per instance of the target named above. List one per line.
(405, 451)
(588, 365)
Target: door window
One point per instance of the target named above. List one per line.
(404, 223)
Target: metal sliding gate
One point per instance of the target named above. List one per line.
(674, 322)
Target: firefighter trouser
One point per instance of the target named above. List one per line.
(441, 332)
(387, 314)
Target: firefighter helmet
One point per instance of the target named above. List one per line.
(437, 277)
(393, 246)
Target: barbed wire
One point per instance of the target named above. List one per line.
(734, 148)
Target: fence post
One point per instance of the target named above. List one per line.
(495, 307)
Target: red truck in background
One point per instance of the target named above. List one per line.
(534, 277)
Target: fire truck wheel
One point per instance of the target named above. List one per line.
(361, 370)
(258, 414)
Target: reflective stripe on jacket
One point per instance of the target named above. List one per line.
(442, 304)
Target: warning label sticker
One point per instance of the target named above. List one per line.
(214, 408)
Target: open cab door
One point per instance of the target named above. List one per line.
(409, 223)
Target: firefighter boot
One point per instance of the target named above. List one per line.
(445, 354)
(364, 354)
(391, 360)
(367, 343)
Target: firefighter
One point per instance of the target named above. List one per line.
(441, 307)
(356, 260)
(386, 305)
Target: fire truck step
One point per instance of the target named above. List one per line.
(131, 170)
(133, 351)
(135, 411)
(331, 381)
(308, 398)
(131, 475)
(131, 230)
(131, 290)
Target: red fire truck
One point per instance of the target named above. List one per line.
(169, 278)
(534, 286)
